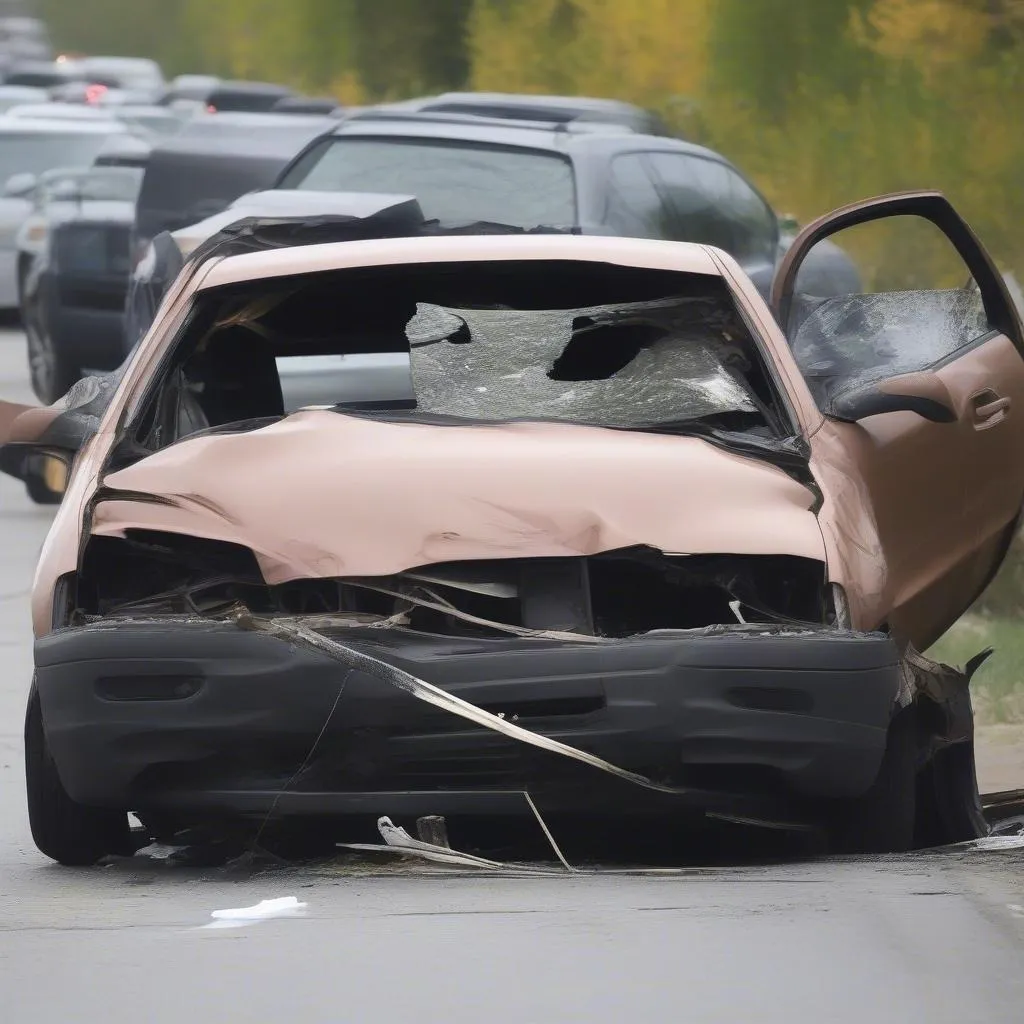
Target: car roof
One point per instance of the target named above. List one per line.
(685, 257)
(55, 126)
(555, 104)
(118, 62)
(500, 132)
(28, 92)
(289, 134)
(59, 112)
(246, 88)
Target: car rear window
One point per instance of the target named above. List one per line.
(454, 182)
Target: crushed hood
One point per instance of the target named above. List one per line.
(323, 494)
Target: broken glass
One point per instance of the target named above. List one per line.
(626, 365)
(854, 340)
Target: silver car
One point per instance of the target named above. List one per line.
(28, 147)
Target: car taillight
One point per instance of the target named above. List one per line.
(95, 93)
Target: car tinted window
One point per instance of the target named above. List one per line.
(114, 184)
(635, 208)
(694, 190)
(453, 181)
(715, 206)
(757, 232)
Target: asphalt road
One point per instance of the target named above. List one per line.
(935, 937)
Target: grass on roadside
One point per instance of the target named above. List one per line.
(998, 686)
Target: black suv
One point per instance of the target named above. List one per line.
(596, 178)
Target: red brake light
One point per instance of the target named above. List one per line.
(94, 93)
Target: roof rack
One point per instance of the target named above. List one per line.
(582, 124)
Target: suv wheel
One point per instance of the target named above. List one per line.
(64, 830)
(51, 373)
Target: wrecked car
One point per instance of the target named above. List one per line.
(634, 542)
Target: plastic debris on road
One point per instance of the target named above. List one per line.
(159, 851)
(992, 843)
(398, 841)
(265, 910)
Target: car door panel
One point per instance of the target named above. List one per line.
(925, 526)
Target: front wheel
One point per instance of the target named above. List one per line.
(64, 830)
(51, 372)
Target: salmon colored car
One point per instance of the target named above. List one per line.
(612, 532)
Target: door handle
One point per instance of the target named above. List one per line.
(989, 408)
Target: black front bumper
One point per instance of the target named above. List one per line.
(198, 717)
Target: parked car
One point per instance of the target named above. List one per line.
(27, 149)
(42, 74)
(211, 162)
(666, 556)
(18, 95)
(56, 111)
(594, 178)
(251, 97)
(545, 109)
(191, 87)
(187, 94)
(137, 74)
(75, 250)
(23, 38)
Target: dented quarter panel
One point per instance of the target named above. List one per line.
(321, 494)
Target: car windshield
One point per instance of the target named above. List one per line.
(114, 184)
(453, 181)
(496, 342)
(36, 152)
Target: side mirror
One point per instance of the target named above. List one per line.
(922, 393)
(35, 441)
(20, 186)
(39, 438)
(788, 224)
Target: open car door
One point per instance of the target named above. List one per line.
(920, 377)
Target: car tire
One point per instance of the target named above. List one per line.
(65, 831)
(948, 799)
(51, 372)
(883, 819)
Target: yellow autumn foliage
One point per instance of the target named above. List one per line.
(932, 34)
(647, 50)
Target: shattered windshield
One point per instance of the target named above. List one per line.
(628, 365)
(487, 342)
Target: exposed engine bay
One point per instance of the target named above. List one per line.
(618, 594)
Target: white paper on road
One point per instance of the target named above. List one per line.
(265, 910)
